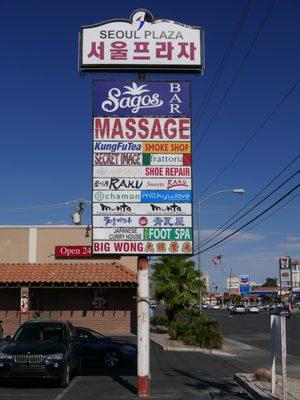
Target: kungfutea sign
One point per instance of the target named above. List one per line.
(141, 44)
(142, 175)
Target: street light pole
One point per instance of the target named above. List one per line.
(199, 254)
(199, 203)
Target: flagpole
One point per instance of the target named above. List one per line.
(199, 203)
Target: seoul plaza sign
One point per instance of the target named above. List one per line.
(142, 162)
(141, 43)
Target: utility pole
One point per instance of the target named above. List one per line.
(230, 284)
(143, 319)
(77, 215)
(143, 342)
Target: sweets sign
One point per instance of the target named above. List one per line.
(142, 184)
(141, 44)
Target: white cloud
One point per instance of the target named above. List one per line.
(292, 238)
(288, 245)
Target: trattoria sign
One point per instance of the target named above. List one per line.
(142, 183)
(141, 44)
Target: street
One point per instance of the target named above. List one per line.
(254, 329)
(174, 375)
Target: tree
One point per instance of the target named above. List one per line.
(270, 282)
(176, 283)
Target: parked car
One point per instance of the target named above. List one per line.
(216, 307)
(253, 309)
(41, 350)
(238, 309)
(99, 349)
(230, 307)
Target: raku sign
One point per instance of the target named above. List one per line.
(141, 44)
(142, 183)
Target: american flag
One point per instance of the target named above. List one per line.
(217, 260)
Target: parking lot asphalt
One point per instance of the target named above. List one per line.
(174, 375)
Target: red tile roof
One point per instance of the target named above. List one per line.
(66, 273)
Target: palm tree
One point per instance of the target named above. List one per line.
(176, 283)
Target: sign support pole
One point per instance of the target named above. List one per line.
(283, 357)
(273, 355)
(143, 340)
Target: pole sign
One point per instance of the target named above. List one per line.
(284, 262)
(141, 44)
(142, 173)
(244, 285)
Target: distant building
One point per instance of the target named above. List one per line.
(233, 285)
(205, 278)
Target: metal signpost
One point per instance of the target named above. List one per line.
(142, 170)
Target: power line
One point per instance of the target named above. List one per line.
(225, 225)
(250, 48)
(250, 138)
(221, 66)
(252, 220)
(263, 219)
(251, 209)
(41, 207)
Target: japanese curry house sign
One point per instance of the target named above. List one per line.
(142, 171)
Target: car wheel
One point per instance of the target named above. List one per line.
(112, 358)
(66, 378)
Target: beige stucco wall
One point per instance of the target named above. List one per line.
(14, 245)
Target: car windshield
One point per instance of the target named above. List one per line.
(88, 334)
(40, 333)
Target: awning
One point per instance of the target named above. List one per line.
(67, 275)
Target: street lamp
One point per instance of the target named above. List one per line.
(200, 202)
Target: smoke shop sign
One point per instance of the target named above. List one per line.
(141, 43)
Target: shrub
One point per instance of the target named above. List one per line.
(178, 330)
(187, 315)
(196, 330)
(162, 321)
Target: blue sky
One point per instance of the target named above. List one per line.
(46, 115)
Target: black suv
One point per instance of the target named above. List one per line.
(41, 350)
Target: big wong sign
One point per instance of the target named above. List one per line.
(142, 183)
(141, 44)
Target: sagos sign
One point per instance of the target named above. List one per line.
(141, 44)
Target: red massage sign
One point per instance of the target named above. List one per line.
(72, 251)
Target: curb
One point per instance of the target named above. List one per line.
(251, 388)
(194, 349)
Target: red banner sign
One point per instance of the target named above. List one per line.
(72, 251)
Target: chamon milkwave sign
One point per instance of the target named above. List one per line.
(142, 173)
